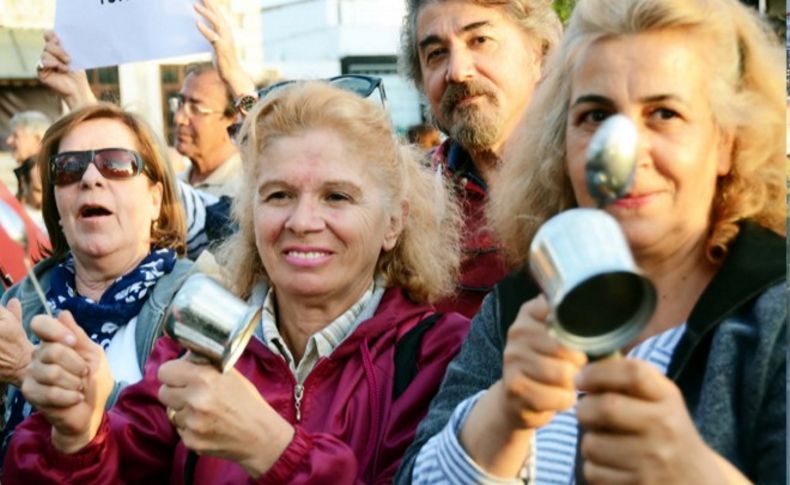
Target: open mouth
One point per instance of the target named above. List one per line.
(91, 211)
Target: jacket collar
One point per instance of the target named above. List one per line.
(756, 261)
(459, 166)
(394, 311)
(395, 314)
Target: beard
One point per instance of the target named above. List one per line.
(475, 126)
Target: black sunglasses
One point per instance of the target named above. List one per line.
(360, 84)
(113, 163)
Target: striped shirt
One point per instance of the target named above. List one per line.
(321, 343)
(444, 461)
(195, 202)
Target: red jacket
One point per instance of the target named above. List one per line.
(482, 266)
(350, 430)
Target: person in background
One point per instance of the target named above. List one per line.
(27, 129)
(701, 397)
(200, 206)
(424, 136)
(12, 251)
(117, 232)
(477, 64)
(202, 112)
(208, 102)
(211, 99)
(344, 240)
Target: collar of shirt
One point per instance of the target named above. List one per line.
(224, 180)
(23, 169)
(321, 343)
(460, 164)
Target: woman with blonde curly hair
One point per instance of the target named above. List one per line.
(701, 396)
(344, 240)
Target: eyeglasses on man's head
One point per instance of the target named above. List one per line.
(360, 84)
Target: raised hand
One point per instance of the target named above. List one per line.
(537, 382)
(68, 381)
(54, 71)
(15, 349)
(639, 431)
(538, 373)
(217, 30)
(221, 414)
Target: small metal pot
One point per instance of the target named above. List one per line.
(600, 300)
(211, 322)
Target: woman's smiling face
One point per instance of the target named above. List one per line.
(321, 219)
(660, 81)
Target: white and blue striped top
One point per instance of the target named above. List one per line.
(444, 461)
(195, 202)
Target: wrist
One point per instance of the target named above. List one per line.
(239, 84)
(262, 459)
(71, 443)
(244, 103)
(80, 99)
(490, 438)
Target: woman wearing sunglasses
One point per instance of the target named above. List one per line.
(344, 240)
(117, 232)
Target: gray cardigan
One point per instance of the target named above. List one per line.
(729, 365)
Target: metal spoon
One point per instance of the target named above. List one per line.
(611, 160)
(15, 227)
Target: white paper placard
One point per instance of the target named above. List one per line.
(98, 33)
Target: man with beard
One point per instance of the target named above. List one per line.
(477, 63)
(202, 112)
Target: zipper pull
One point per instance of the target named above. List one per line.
(298, 392)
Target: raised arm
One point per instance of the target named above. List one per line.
(216, 28)
(55, 72)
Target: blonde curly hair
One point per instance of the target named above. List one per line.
(426, 257)
(746, 90)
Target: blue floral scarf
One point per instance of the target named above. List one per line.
(119, 304)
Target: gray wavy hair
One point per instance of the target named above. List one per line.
(536, 17)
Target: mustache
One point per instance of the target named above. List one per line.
(459, 91)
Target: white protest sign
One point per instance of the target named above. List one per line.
(99, 33)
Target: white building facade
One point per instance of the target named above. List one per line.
(308, 39)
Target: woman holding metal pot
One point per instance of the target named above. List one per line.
(344, 238)
(703, 401)
(117, 233)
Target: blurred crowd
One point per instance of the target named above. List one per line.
(398, 334)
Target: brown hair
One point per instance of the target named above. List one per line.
(170, 229)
